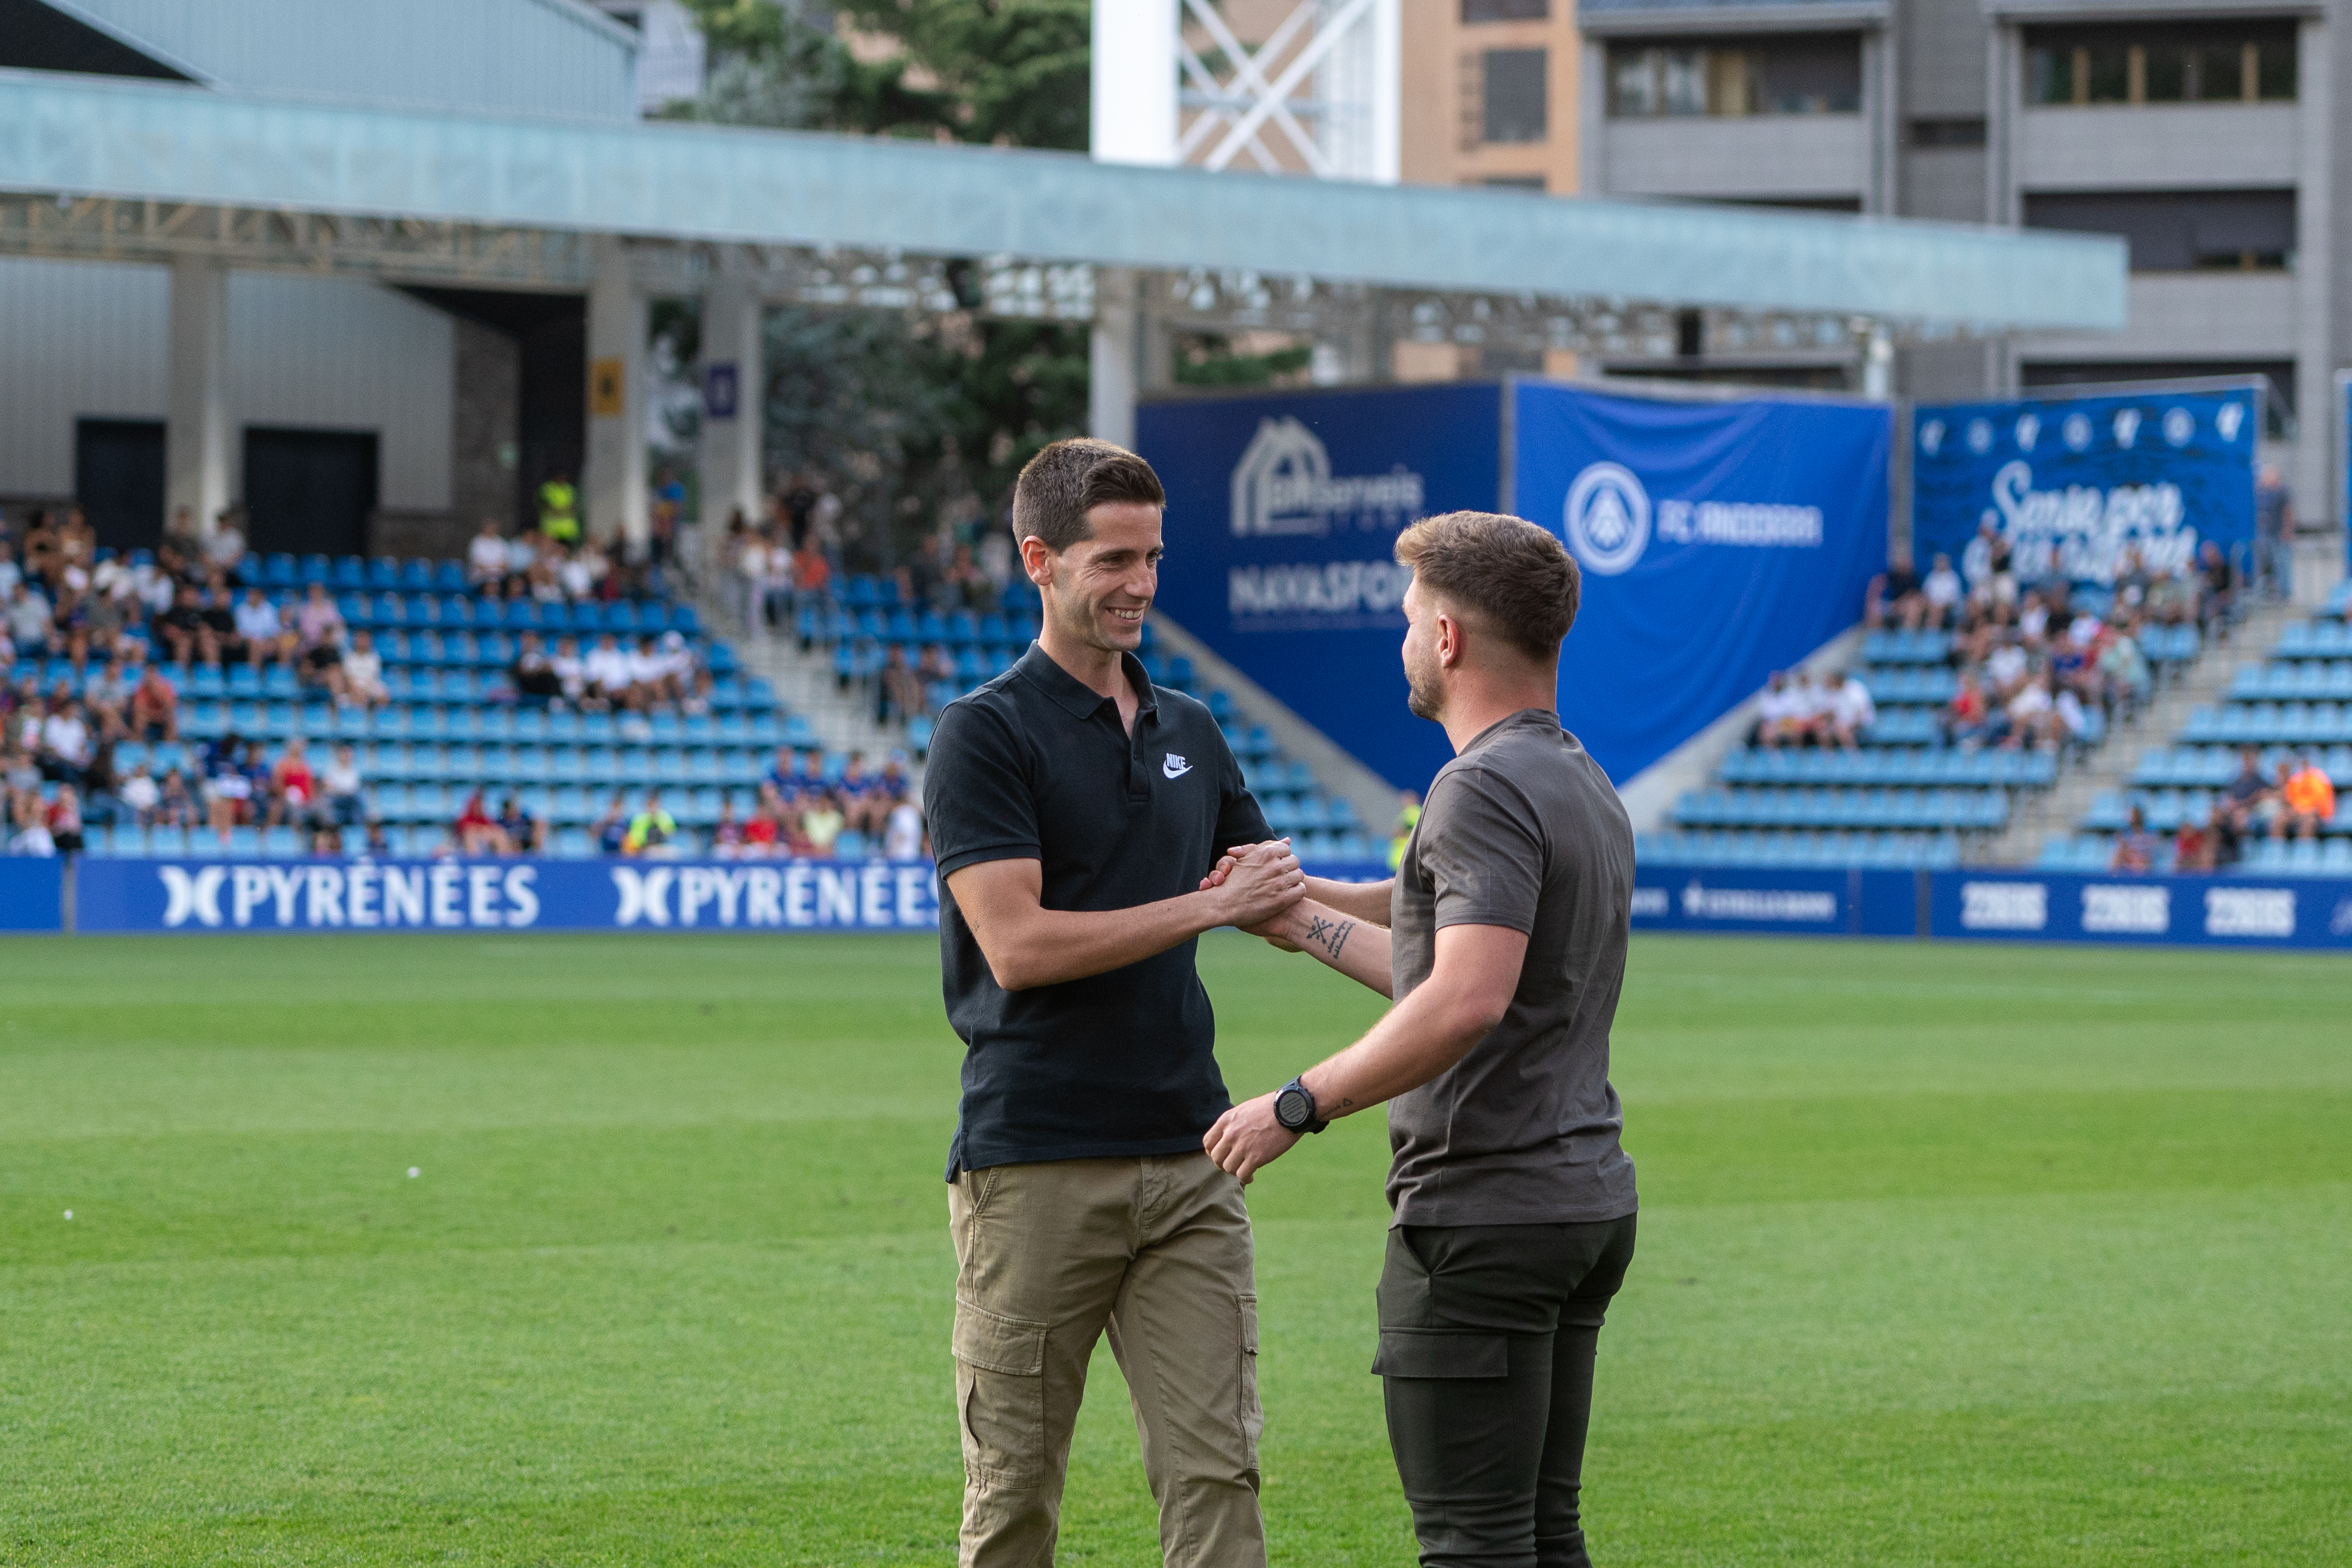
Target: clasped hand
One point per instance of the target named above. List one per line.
(1256, 882)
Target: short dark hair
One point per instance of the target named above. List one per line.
(1061, 484)
(1518, 579)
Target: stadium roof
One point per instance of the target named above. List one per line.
(164, 141)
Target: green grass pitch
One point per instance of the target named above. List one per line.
(1950, 1255)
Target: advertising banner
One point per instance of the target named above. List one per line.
(1282, 513)
(1719, 541)
(2209, 911)
(1785, 902)
(30, 889)
(2073, 482)
(502, 895)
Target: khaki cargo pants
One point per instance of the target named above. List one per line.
(1157, 1250)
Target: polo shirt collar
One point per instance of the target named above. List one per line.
(1077, 698)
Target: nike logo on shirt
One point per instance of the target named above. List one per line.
(1173, 766)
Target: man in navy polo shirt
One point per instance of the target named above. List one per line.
(1075, 809)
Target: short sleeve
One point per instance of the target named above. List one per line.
(976, 793)
(1481, 850)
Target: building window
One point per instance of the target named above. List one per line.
(1506, 11)
(2245, 62)
(1961, 132)
(1512, 98)
(2179, 231)
(1513, 182)
(1808, 73)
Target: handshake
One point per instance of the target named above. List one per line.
(1254, 885)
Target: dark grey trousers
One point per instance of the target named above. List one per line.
(1487, 1338)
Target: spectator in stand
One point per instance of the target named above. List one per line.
(95, 627)
(228, 788)
(2135, 853)
(2192, 844)
(822, 821)
(318, 635)
(106, 698)
(1939, 595)
(477, 832)
(612, 827)
(1775, 712)
(536, 683)
(854, 792)
(139, 796)
(66, 744)
(342, 792)
(763, 830)
(64, 821)
(293, 787)
(175, 803)
(262, 632)
(2124, 670)
(29, 821)
(101, 804)
(1968, 717)
(524, 834)
(903, 837)
(2273, 535)
(570, 672)
(32, 625)
(811, 578)
(606, 669)
(1988, 566)
(185, 633)
(898, 694)
(2247, 797)
(486, 556)
(1894, 593)
(939, 674)
(2221, 595)
(363, 684)
(727, 835)
(1851, 710)
(653, 832)
(2306, 800)
(2006, 670)
(2032, 716)
(225, 548)
(2173, 598)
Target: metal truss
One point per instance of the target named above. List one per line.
(1306, 99)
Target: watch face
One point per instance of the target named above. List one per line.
(1290, 1109)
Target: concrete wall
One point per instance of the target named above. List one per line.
(1761, 155)
(92, 338)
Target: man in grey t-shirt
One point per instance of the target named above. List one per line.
(1502, 940)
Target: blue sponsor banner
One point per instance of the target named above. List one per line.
(31, 888)
(2072, 483)
(1791, 902)
(1282, 513)
(2209, 911)
(1719, 541)
(502, 895)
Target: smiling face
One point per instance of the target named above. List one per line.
(1097, 591)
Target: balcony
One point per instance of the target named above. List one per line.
(1758, 157)
(2156, 146)
(2191, 316)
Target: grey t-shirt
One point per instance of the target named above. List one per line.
(1521, 830)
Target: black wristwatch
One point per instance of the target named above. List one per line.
(1294, 1106)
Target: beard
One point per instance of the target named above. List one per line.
(1425, 698)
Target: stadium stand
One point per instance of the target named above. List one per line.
(1952, 737)
(953, 652)
(2291, 710)
(114, 746)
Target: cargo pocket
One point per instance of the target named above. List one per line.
(1407, 1354)
(1000, 1396)
(1252, 1414)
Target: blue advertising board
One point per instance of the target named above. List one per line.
(1282, 513)
(1793, 902)
(200, 895)
(1719, 541)
(2206, 911)
(2074, 481)
(30, 890)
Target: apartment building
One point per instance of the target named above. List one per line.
(2203, 133)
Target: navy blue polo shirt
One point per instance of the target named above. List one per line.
(1035, 766)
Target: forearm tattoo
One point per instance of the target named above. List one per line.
(1329, 935)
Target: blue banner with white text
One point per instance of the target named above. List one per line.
(2075, 483)
(1719, 541)
(2203, 912)
(1282, 513)
(199, 895)
(1794, 902)
(30, 890)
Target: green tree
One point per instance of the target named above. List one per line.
(912, 418)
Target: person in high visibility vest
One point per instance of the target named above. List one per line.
(1408, 817)
(559, 509)
(652, 831)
